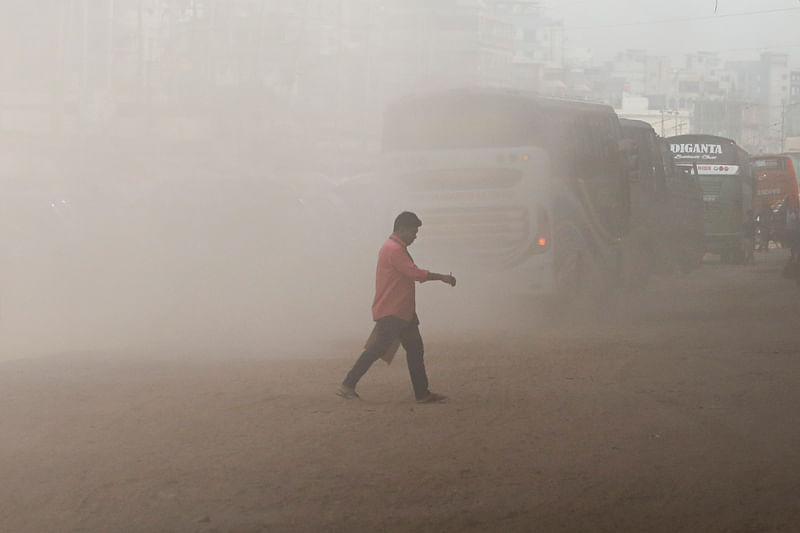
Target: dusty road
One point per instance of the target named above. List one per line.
(677, 413)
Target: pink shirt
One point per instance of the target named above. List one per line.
(394, 281)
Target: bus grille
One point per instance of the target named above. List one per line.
(493, 234)
(712, 199)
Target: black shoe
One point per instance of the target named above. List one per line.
(432, 397)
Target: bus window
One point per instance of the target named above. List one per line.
(771, 163)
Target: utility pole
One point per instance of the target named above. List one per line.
(676, 122)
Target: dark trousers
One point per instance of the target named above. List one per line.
(388, 330)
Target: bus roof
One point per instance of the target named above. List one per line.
(488, 118)
(632, 123)
(695, 136)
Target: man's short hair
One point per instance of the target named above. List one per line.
(407, 219)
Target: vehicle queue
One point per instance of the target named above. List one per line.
(566, 199)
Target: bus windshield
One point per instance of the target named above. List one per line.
(465, 122)
(776, 182)
(769, 163)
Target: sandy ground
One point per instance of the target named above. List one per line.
(677, 411)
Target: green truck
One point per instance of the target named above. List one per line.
(726, 178)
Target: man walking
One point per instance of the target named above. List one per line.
(394, 311)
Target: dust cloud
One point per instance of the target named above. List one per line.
(190, 263)
(197, 264)
(184, 179)
(152, 204)
(170, 257)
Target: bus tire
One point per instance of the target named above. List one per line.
(569, 263)
(738, 256)
(580, 283)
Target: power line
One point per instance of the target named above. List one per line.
(686, 19)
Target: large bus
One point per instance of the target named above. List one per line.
(521, 189)
(666, 205)
(723, 169)
(776, 181)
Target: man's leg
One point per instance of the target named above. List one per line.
(385, 332)
(415, 351)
